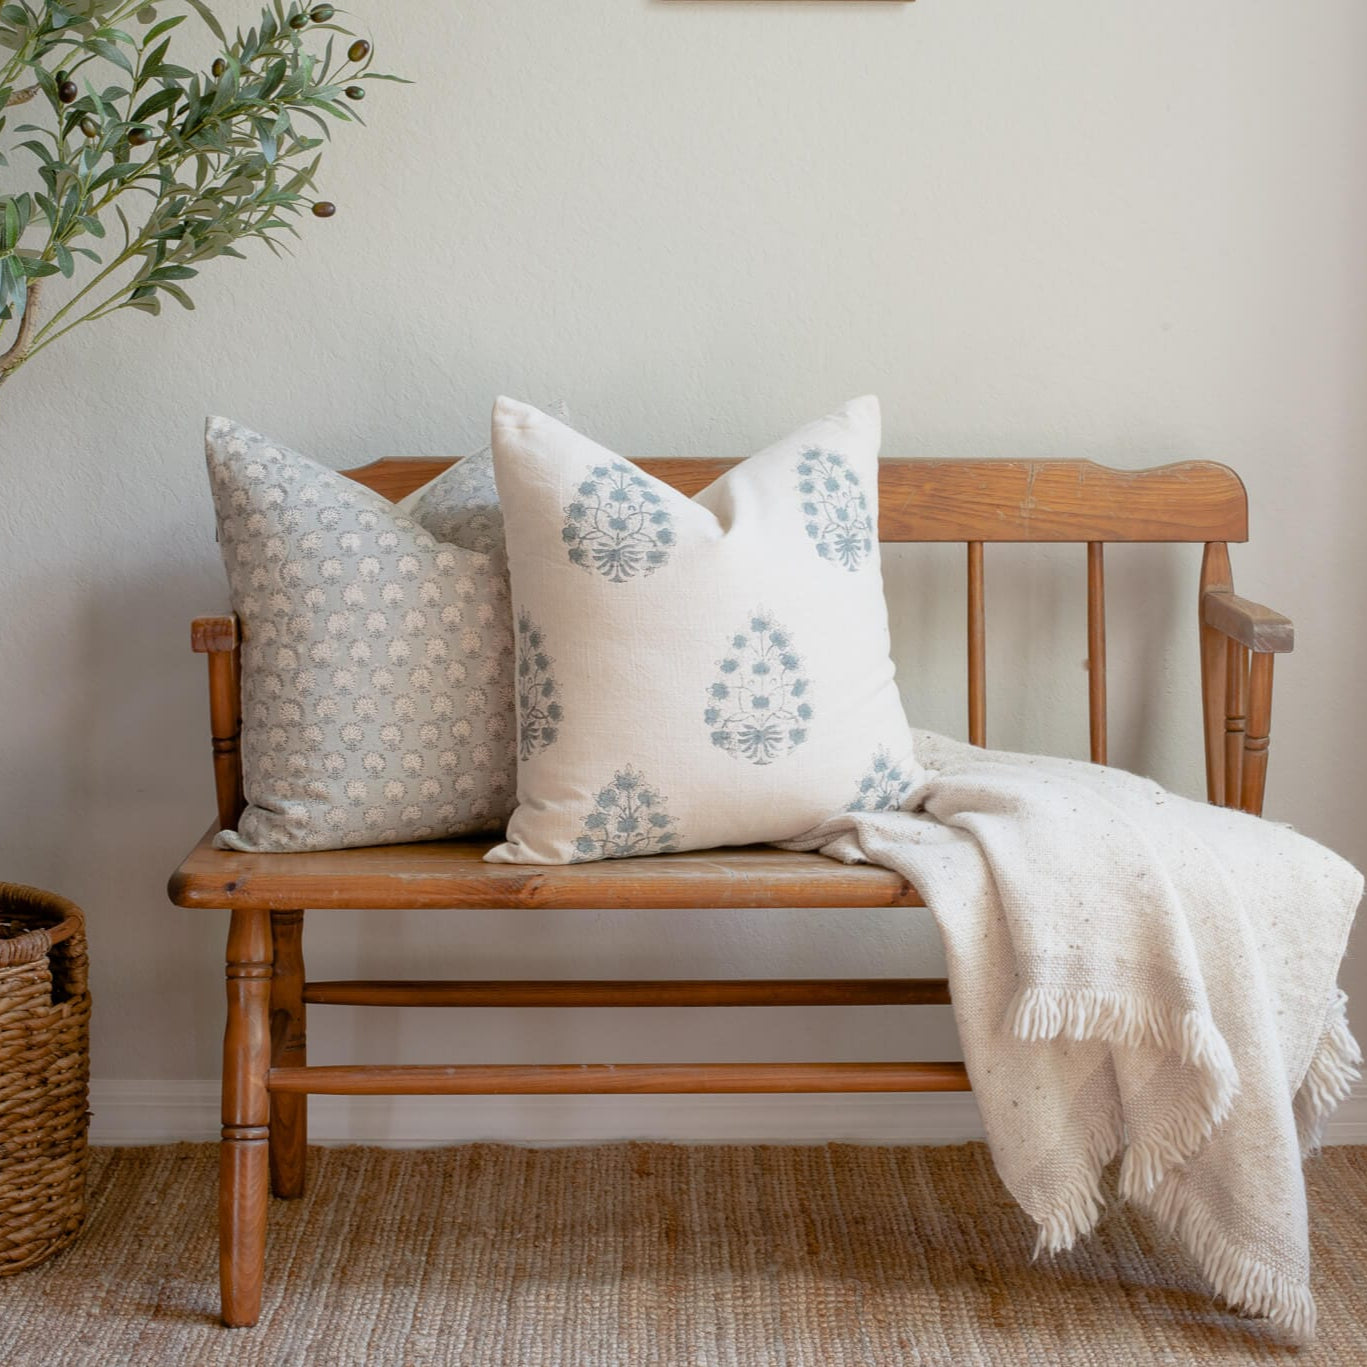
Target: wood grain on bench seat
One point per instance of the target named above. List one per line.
(452, 873)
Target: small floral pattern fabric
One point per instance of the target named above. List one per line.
(377, 662)
(539, 714)
(460, 506)
(836, 508)
(617, 524)
(629, 817)
(885, 787)
(760, 707)
(695, 672)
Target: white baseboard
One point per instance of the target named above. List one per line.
(129, 1111)
(1349, 1122)
(133, 1112)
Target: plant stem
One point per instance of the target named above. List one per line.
(46, 336)
(42, 338)
(19, 351)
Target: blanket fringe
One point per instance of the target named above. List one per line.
(1334, 1068)
(1082, 1200)
(1150, 1168)
(1134, 1021)
(1128, 1018)
(1247, 1285)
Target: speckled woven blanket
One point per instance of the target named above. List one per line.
(1135, 976)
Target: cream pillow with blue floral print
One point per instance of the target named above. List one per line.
(695, 672)
(376, 660)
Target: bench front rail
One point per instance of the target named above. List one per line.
(266, 1076)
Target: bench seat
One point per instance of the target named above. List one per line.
(453, 874)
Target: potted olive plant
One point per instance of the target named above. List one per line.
(136, 170)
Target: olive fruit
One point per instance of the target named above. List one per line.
(359, 50)
(320, 14)
(62, 76)
(325, 208)
(66, 91)
(355, 92)
(219, 67)
(138, 135)
(298, 21)
(89, 126)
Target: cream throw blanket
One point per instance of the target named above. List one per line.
(1134, 975)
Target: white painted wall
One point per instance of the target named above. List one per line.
(1060, 229)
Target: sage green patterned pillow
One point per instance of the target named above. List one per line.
(376, 661)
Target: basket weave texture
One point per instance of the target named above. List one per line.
(44, 1074)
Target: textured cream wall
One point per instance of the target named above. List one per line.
(1061, 229)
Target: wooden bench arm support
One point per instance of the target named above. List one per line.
(214, 635)
(1240, 640)
(1255, 627)
(220, 639)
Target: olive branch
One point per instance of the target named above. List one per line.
(188, 163)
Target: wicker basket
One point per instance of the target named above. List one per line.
(44, 1075)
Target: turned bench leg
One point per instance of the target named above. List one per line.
(243, 1190)
(289, 1113)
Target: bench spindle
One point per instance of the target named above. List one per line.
(218, 639)
(1217, 576)
(977, 648)
(1257, 735)
(1236, 718)
(1096, 650)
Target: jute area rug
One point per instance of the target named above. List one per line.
(644, 1254)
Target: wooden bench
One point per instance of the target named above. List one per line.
(266, 1080)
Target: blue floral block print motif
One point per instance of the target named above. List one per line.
(883, 788)
(617, 524)
(538, 713)
(836, 508)
(628, 818)
(761, 705)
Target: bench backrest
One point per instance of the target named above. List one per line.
(982, 500)
(977, 501)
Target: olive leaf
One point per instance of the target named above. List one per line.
(189, 163)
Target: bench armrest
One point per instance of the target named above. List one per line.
(211, 635)
(1253, 626)
(1244, 640)
(220, 639)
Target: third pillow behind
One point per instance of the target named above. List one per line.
(695, 672)
(460, 506)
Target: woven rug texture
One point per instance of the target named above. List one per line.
(650, 1255)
